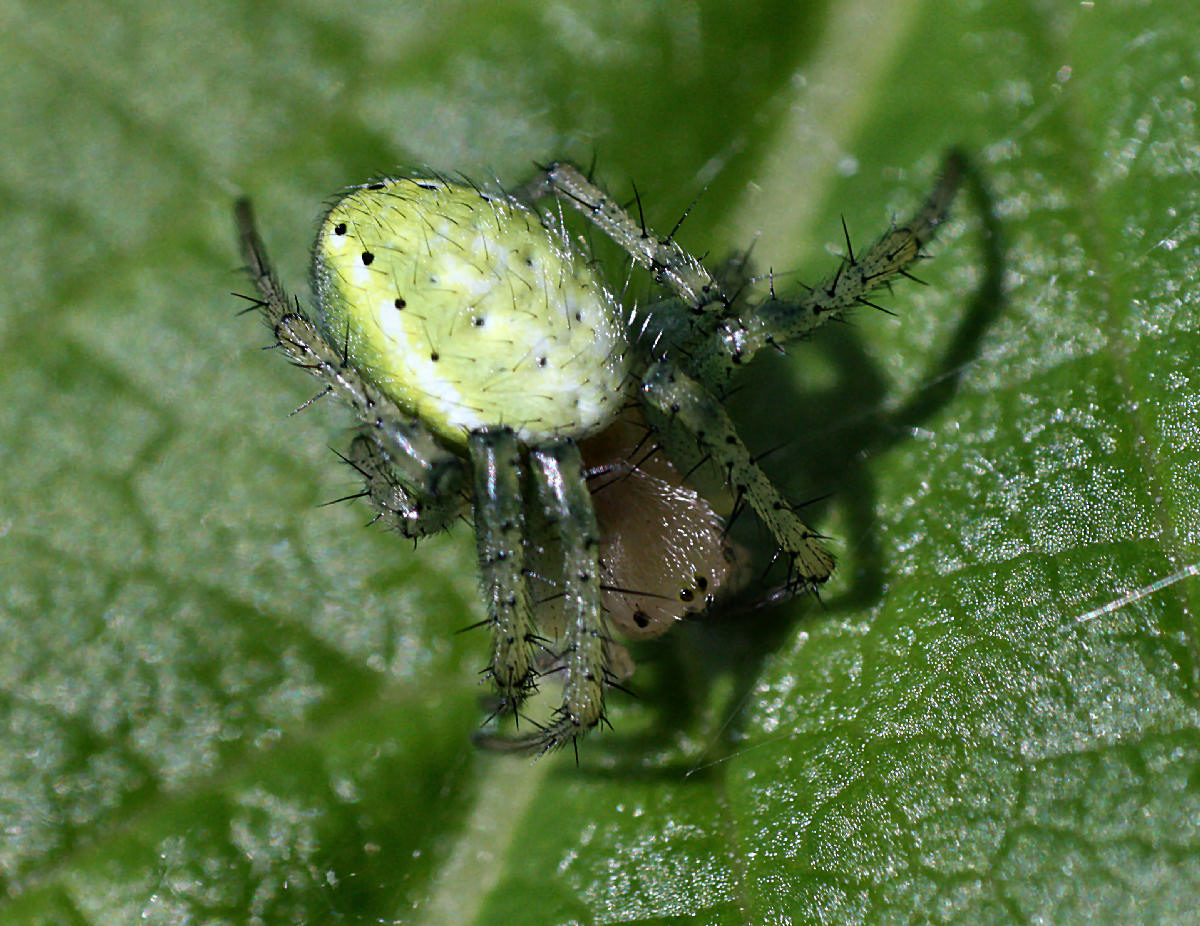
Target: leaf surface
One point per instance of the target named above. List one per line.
(223, 704)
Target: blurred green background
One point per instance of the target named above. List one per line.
(222, 704)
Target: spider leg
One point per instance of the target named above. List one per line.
(776, 322)
(564, 495)
(693, 427)
(411, 476)
(500, 541)
(671, 265)
(414, 512)
(588, 652)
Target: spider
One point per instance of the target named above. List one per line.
(491, 368)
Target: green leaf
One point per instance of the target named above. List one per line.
(224, 704)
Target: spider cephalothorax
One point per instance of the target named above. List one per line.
(480, 351)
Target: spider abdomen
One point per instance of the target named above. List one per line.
(469, 312)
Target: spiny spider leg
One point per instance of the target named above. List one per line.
(692, 426)
(414, 514)
(671, 265)
(500, 541)
(426, 479)
(587, 648)
(776, 322)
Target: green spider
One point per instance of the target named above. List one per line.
(489, 367)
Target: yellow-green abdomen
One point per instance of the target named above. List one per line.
(468, 312)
